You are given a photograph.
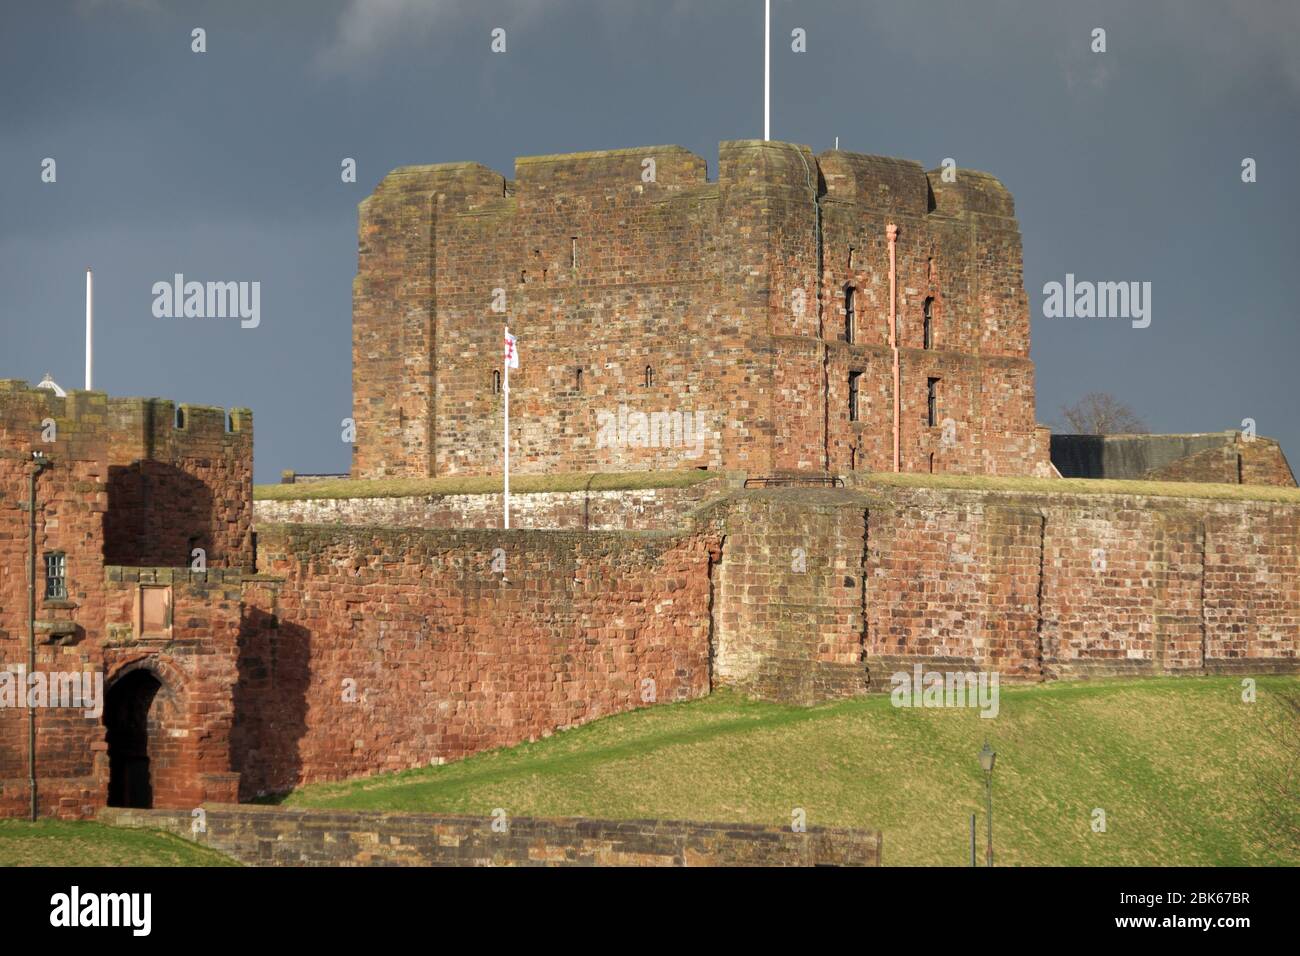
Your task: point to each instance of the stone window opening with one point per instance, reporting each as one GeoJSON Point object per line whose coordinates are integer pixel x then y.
{"type": "Point", "coordinates": [577, 380]}
{"type": "Point", "coordinates": [649, 377]}
{"type": "Point", "coordinates": [932, 401]}
{"type": "Point", "coordinates": [573, 252]}
{"type": "Point", "coordinates": [496, 381]}
{"type": "Point", "coordinates": [180, 418]}
{"type": "Point", "coordinates": [850, 318]}
{"type": "Point", "coordinates": [855, 396]}
{"type": "Point", "coordinates": [56, 576]}
{"type": "Point", "coordinates": [928, 324]}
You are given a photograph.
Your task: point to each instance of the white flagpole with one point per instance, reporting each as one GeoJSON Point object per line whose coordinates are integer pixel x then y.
{"type": "Point", "coordinates": [506, 429]}
{"type": "Point", "coordinates": [767, 69]}
{"type": "Point", "coordinates": [90, 329]}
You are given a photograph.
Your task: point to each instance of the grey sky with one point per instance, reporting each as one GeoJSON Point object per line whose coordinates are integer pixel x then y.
{"type": "Point", "coordinates": [225, 166]}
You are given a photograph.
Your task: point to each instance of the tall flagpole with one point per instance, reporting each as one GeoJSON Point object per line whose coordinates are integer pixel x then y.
{"type": "Point", "coordinates": [90, 329]}
{"type": "Point", "coordinates": [506, 424]}
{"type": "Point", "coordinates": [767, 69]}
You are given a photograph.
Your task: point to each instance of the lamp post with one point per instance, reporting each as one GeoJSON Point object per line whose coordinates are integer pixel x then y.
{"type": "Point", "coordinates": [987, 756]}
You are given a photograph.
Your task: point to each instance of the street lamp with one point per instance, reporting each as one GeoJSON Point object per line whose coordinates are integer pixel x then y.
{"type": "Point", "coordinates": [987, 756]}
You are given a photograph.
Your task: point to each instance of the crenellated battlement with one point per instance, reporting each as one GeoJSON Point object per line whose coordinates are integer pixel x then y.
{"type": "Point", "coordinates": [634, 281]}
{"type": "Point", "coordinates": [885, 183]}
{"type": "Point", "coordinates": [174, 477]}
{"type": "Point", "coordinates": [93, 425]}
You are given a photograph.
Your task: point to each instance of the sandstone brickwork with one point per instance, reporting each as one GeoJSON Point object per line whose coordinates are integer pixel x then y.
{"type": "Point", "coordinates": [340, 651]}
{"type": "Point", "coordinates": [384, 650]}
{"type": "Point", "coordinates": [822, 594]}
{"type": "Point", "coordinates": [272, 836]}
{"type": "Point", "coordinates": [648, 509]}
{"type": "Point", "coordinates": [125, 486]}
{"type": "Point", "coordinates": [668, 320]}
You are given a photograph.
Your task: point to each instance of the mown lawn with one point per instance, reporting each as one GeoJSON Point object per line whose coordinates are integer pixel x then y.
{"type": "Point", "coordinates": [69, 843]}
{"type": "Point", "coordinates": [1185, 771]}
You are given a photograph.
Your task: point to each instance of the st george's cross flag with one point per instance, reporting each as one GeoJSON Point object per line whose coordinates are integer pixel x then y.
{"type": "Point", "coordinates": [511, 352]}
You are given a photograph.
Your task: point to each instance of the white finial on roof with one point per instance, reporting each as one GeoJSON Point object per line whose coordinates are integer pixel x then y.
{"type": "Point", "coordinates": [53, 386]}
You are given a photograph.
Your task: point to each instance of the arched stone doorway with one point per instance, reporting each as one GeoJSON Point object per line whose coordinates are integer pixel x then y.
{"type": "Point", "coordinates": [128, 713]}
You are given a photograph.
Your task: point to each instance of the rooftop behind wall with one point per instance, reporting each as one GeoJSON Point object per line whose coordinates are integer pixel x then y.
{"type": "Point", "coordinates": [1192, 457]}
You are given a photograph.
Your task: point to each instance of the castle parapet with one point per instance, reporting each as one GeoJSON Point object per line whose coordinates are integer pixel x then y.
{"type": "Point", "coordinates": [641, 169]}
{"type": "Point", "coordinates": [876, 182]}
{"type": "Point", "coordinates": [973, 192]}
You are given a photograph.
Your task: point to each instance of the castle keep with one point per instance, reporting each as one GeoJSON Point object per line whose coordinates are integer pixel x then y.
{"type": "Point", "coordinates": [758, 309]}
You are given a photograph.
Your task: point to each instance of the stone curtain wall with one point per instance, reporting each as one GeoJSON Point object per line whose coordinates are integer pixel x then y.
{"type": "Point", "coordinates": [271, 836]}
{"type": "Point", "coordinates": [1034, 586]}
{"type": "Point", "coordinates": [791, 594]}
{"type": "Point", "coordinates": [788, 611]}
{"type": "Point", "coordinates": [712, 285]}
{"type": "Point", "coordinates": [649, 509]}
{"type": "Point", "coordinates": [1115, 584]}
{"type": "Point", "coordinates": [384, 650]}
{"type": "Point", "coordinates": [952, 582]}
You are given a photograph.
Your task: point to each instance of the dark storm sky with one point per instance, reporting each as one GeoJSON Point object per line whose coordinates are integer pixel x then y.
{"type": "Point", "coordinates": [1125, 166]}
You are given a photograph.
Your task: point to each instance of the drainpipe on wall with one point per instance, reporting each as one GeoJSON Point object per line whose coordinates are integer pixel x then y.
{"type": "Point", "coordinates": [891, 231]}
{"type": "Point", "coordinates": [39, 464]}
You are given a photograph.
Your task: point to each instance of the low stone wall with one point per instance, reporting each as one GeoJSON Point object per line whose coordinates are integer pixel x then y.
{"type": "Point", "coordinates": [639, 509]}
{"type": "Point", "coordinates": [275, 836]}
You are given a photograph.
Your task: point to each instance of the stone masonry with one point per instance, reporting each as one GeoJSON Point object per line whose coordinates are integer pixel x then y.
{"type": "Point", "coordinates": [666, 320]}
{"type": "Point", "coordinates": [130, 492]}
{"type": "Point", "coordinates": [274, 836]}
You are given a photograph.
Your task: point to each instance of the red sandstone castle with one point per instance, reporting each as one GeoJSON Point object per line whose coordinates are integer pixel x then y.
{"type": "Point", "coordinates": [817, 313]}
{"type": "Point", "coordinates": [831, 314]}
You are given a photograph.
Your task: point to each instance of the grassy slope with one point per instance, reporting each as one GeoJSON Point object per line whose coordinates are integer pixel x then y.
{"type": "Point", "coordinates": [1090, 486]}
{"type": "Point", "coordinates": [1181, 766]}
{"type": "Point", "coordinates": [622, 481]}
{"type": "Point", "coordinates": [519, 484]}
{"type": "Point", "coordinates": [66, 843]}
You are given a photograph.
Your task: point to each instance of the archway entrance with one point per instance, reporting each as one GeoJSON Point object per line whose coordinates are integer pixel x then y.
{"type": "Point", "coordinates": [126, 715]}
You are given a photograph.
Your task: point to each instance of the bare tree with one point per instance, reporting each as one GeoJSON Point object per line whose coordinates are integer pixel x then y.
{"type": "Point", "coordinates": [1100, 413]}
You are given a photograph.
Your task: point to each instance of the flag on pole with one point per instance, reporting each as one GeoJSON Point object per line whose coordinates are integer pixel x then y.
{"type": "Point", "coordinates": [510, 358]}
{"type": "Point", "coordinates": [511, 352]}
